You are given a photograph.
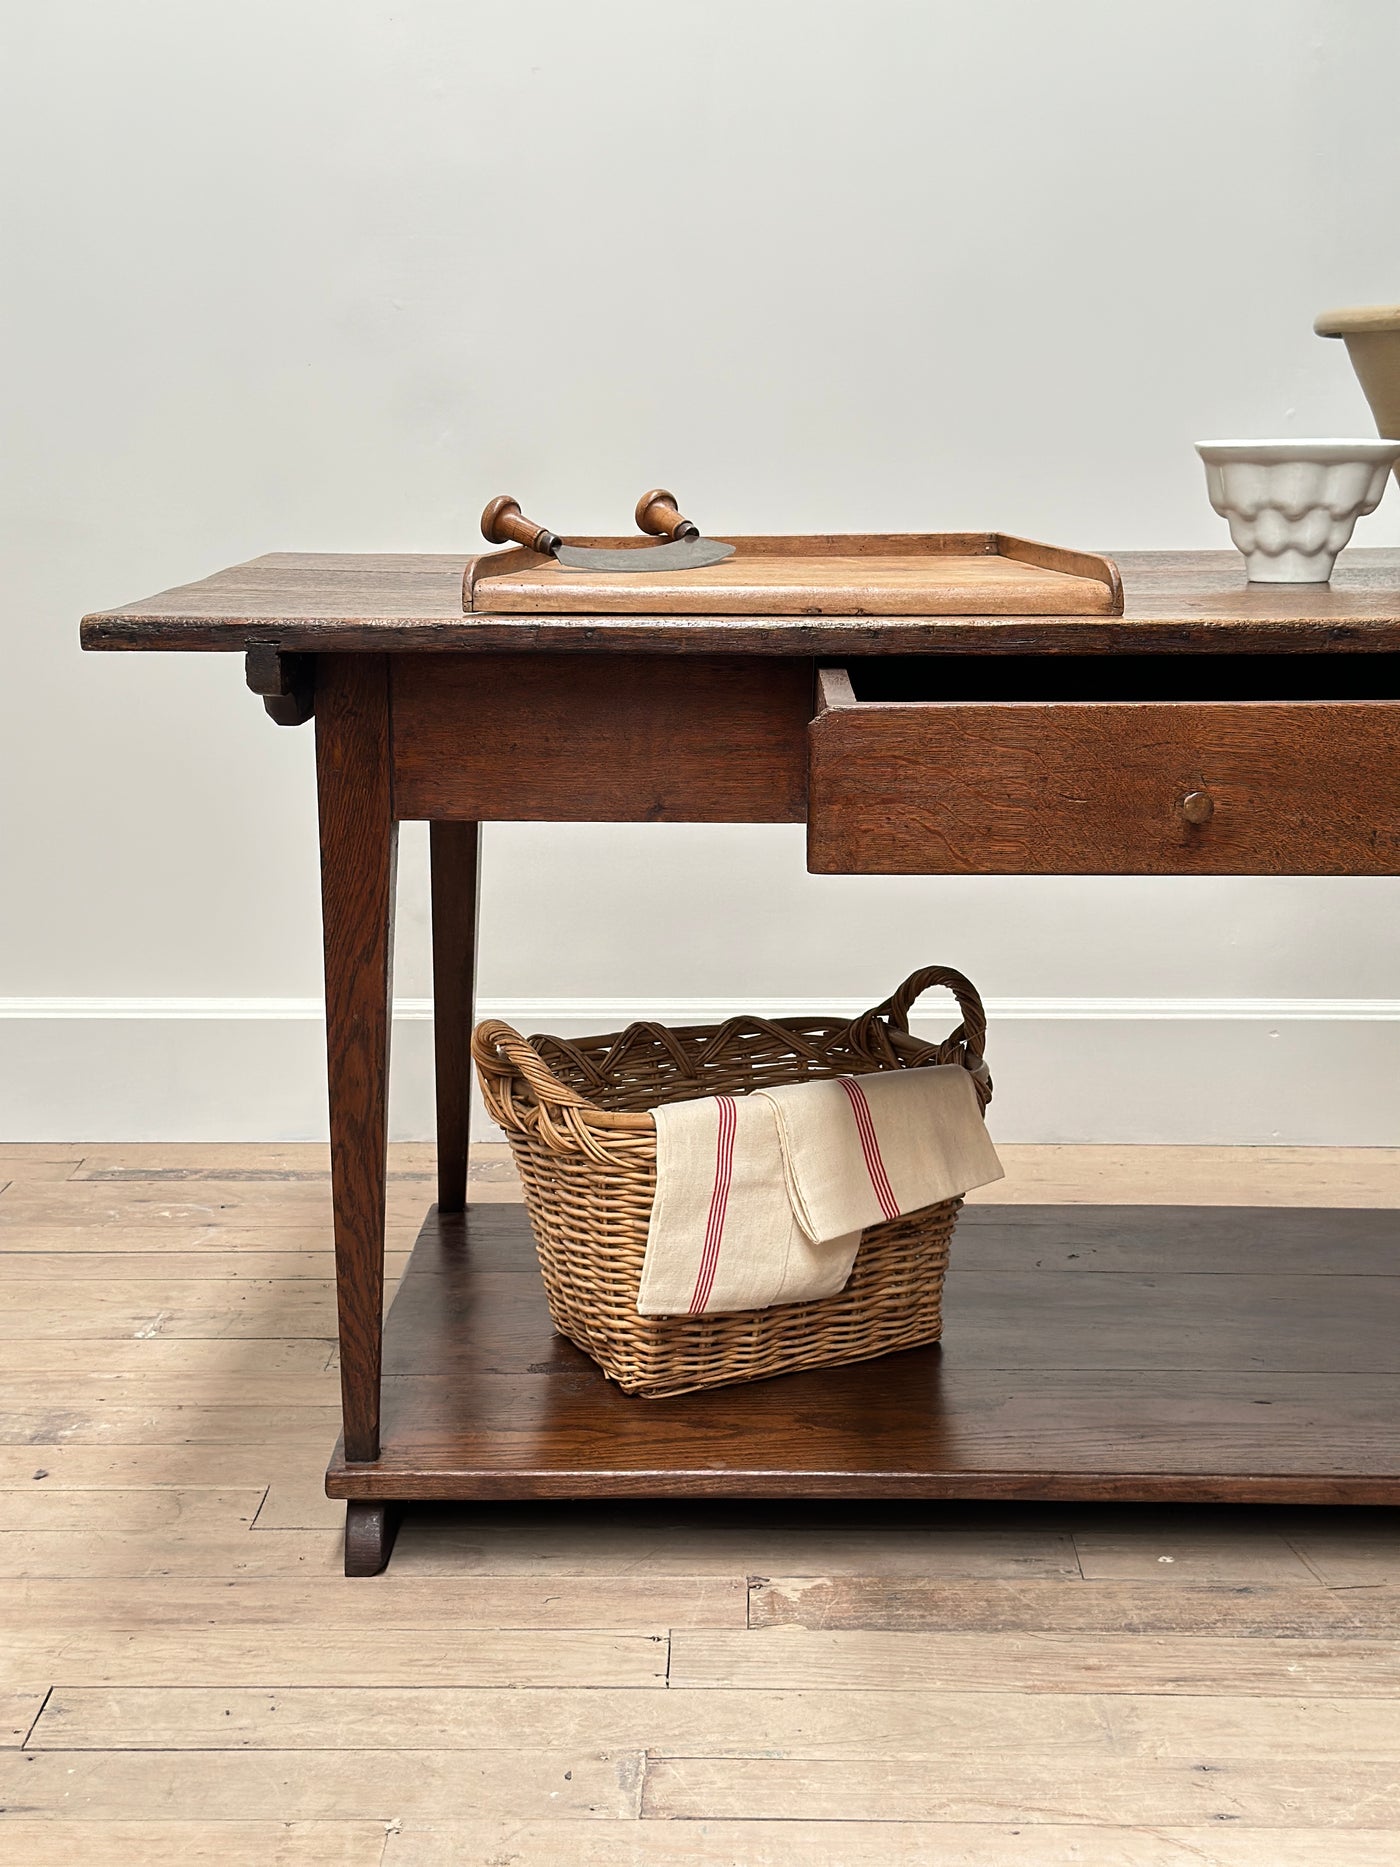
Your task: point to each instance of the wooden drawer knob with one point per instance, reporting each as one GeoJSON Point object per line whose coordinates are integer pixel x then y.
{"type": "Point", "coordinates": [1198, 807]}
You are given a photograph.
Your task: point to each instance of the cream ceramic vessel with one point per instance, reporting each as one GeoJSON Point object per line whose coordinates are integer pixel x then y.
{"type": "Point", "coordinates": [1292, 505]}
{"type": "Point", "coordinates": [1372, 337]}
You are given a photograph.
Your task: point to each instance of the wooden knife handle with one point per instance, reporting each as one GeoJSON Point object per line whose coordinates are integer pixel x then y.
{"type": "Point", "coordinates": [658, 514]}
{"type": "Point", "coordinates": [504, 523]}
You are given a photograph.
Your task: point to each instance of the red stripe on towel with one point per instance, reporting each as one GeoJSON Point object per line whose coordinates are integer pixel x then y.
{"type": "Point", "coordinates": [870, 1147]}
{"type": "Point", "coordinates": [719, 1201]}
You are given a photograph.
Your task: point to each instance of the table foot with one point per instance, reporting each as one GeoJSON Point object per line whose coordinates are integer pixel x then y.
{"type": "Point", "coordinates": [370, 1529]}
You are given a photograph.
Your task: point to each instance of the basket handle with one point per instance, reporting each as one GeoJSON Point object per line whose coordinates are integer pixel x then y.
{"type": "Point", "coordinates": [559, 1116]}
{"type": "Point", "coordinates": [499, 1052]}
{"type": "Point", "coordinates": [969, 1039]}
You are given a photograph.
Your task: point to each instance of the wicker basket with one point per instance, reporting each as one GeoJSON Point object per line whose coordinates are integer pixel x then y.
{"type": "Point", "coordinates": [586, 1150]}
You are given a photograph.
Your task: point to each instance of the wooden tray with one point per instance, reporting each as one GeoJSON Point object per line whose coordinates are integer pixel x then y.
{"type": "Point", "coordinates": [856, 574]}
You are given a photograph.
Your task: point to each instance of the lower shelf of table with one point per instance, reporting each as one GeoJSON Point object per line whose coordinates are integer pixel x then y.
{"type": "Point", "coordinates": [1133, 1352]}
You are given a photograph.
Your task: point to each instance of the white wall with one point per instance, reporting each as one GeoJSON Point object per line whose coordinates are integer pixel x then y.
{"type": "Point", "coordinates": [325, 274]}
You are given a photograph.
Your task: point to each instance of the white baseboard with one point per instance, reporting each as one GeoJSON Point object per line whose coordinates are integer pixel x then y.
{"type": "Point", "coordinates": [1292, 1071]}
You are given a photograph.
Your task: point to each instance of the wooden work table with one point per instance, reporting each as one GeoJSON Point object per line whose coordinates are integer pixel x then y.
{"type": "Point", "coordinates": [1214, 727]}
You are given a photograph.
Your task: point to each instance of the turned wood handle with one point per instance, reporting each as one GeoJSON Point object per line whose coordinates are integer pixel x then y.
{"type": "Point", "coordinates": [658, 514]}
{"type": "Point", "coordinates": [504, 523]}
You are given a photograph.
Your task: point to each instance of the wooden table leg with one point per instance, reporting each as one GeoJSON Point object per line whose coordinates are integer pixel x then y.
{"type": "Point", "coordinates": [359, 842]}
{"type": "Point", "coordinates": [455, 851]}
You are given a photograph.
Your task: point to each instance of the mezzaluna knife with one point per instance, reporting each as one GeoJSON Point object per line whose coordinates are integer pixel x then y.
{"type": "Point", "coordinates": [657, 514]}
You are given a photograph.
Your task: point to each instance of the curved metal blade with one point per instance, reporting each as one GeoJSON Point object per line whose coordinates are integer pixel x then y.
{"type": "Point", "coordinates": [682, 554]}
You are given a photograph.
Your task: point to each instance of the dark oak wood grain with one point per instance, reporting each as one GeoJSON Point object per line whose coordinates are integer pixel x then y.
{"type": "Point", "coordinates": [1321, 1242]}
{"type": "Point", "coordinates": [1149, 1385]}
{"type": "Point", "coordinates": [455, 854]}
{"type": "Point", "coordinates": [359, 845]}
{"type": "Point", "coordinates": [600, 739]}
{"type": "Point", "coordinates": [1295, 787]}
{"type": "Point", "coordinates": [1194, 602]}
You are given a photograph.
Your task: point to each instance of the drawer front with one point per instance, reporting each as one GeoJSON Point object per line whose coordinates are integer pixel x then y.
{"type": "Point", "coordinates": [1018, 788]}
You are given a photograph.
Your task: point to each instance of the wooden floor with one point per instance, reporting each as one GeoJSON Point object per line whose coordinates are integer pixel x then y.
{"type": "Point", "coordinates": [186, 1677]}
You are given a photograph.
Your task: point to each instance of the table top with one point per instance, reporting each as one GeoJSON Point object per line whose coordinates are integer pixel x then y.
{"type": "Point", "coordinates": [1174, 601]}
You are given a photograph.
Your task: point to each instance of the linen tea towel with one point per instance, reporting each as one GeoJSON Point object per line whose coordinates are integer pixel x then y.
{"type": "Point", "coordinates": [723, 1235]}
{"type": "Point", "coordinates": [859, 1149]}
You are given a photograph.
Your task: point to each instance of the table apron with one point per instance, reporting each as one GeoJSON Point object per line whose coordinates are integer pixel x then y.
{"type": "Point", "coordinates": [599, 739]}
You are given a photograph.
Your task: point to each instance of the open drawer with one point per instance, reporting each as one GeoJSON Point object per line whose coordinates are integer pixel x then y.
{"type": "Point", "coordinates": [1107, 765]}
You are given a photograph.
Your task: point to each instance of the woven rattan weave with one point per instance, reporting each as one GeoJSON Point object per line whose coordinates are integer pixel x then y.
{"type": "Point", "coordinates": [574, 1114]}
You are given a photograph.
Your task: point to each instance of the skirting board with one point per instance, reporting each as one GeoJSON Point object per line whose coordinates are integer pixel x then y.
{"type": "Point", "coordinates": [1152, 1071]}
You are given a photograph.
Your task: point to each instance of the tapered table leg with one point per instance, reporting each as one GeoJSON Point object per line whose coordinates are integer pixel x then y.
{"type": "Point", "coordinates": [455, 849]}
{"type": "Point", "coordinates": [359, 841]}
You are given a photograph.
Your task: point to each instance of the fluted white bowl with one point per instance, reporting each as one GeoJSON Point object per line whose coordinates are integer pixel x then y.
{"type": "Point", "coordinates": [1291, 505]}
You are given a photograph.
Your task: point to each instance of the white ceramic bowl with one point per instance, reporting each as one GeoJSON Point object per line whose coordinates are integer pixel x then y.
{"type": "Point", "coordinates": [1292, 504]}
